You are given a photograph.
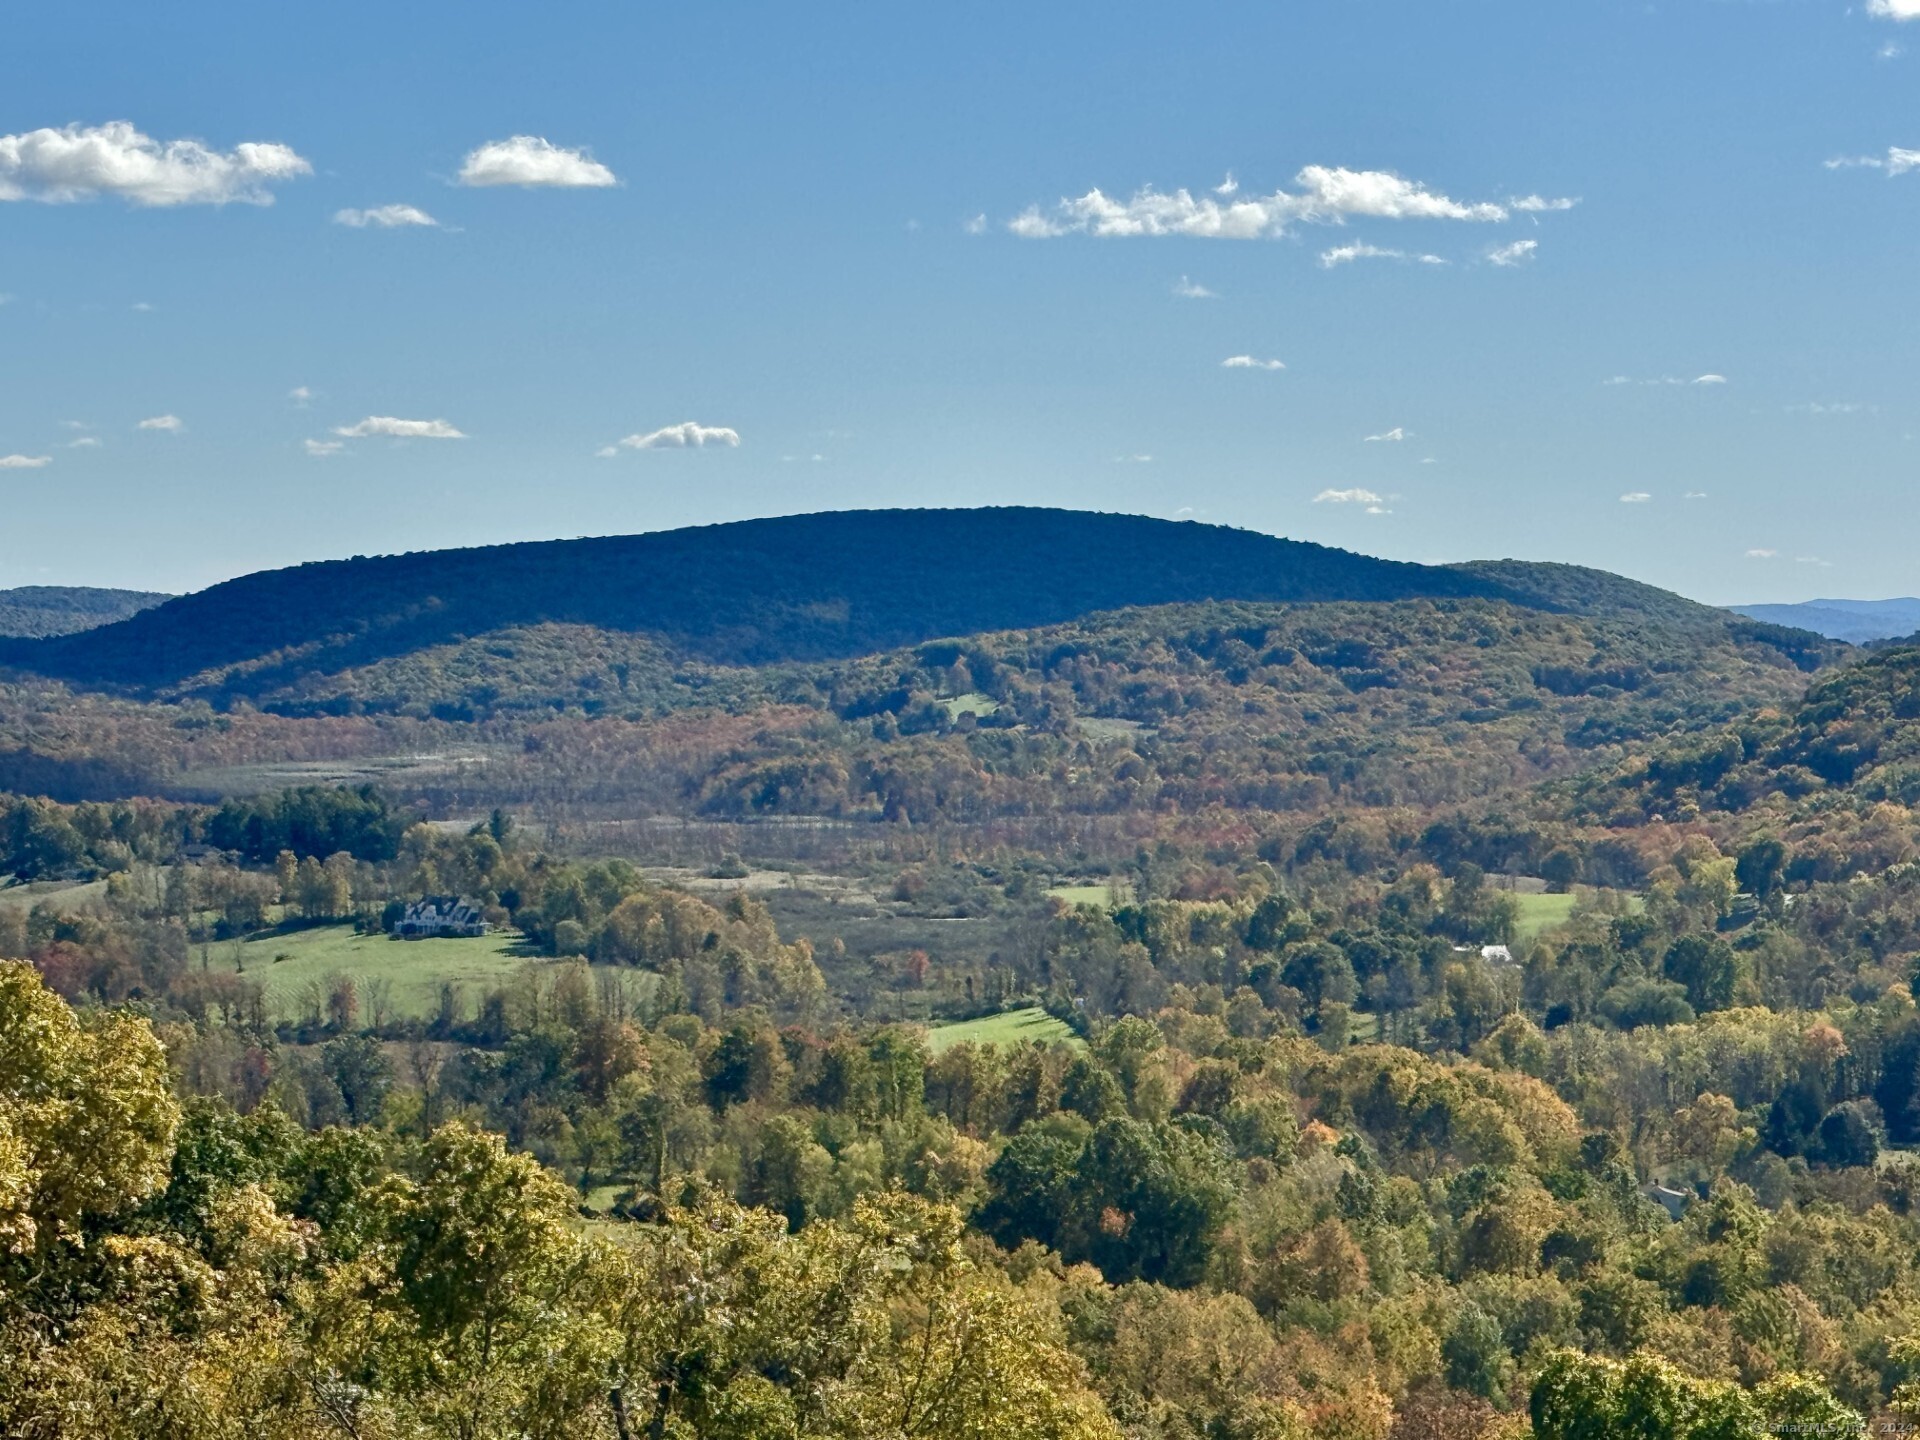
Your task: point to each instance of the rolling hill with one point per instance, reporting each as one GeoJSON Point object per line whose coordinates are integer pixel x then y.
{"type": "Point", "coordinates": [1855, 621]}
{"type": "Point", "coordinates": [34, 611]}
{"type": "Point", "coordinates": [800, 588]}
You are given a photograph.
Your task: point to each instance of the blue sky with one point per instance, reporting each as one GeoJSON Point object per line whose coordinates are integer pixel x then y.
{"type": "Point", "coordinates": [857, 251]}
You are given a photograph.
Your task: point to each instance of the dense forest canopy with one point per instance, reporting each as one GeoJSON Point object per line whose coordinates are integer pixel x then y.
{"type": "Point", "coordinates": [804, 587]}
{"type": "Point", "coordinates": [39, 610]}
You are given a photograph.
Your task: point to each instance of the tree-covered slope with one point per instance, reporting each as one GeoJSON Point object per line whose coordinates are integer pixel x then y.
{"type": "Point", "coordinates": [39, 610]}
{"type": "Point", "coordinates": [805, 587]}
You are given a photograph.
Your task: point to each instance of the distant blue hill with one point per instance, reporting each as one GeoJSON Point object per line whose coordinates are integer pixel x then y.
{"type": "Point", "coordinates": [1855, 621]}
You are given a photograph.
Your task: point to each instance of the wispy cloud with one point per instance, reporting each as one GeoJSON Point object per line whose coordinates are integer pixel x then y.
{"type": "Point", "coordinates": [1248, 362]}
{"type": "Point", "coordinates": [1391, 437]}
{"type": "Point", "coordinates": [300, 395]}
{"type": "Point", "coordinates": [1694, 495]}
{"type": "Point", "coordinates": [1192, 290]}
{"type": "Point", "coordinates": [1673, 380]}
{"type": "Point", "coordinates": [1327, 195]}
{"type": "Point", "coordinates": [1895, 162]}
{"type": "Point", "coordinates": [320, 449]}
{"type": "Point", "coordinates": [1541, 204]}
{"type": "Point", "coordinates": [976, 226]}
{"type": "Point", "coordinates": [24, 462]}
{"type": "Point", "coordinates": [1832, 407]}
{"type": "Point", "coordinates": [1812, 560]}
{"type": "Point", "coordinates": [396, 429]}
{"type": "Point", "coordinates": [1228, 186]}
{"type": "Point", "coordinates": [84, 162]}
{"type": "Point", "coordinates": [530, 160]}
{"type": "Point", "coordinates": [1894, 9]}
{"type": "Point", "coordinates": [1360, 250]}
{"type": "Point", "coordinates": [1761, 553]}
{"type": "Point", "coordinates": [172, 424]}
{"type": "Point", "coordinates": [687, 435]}
{"type": "Point", "coordinates": [85, 442]}
{"type": "Point", "coordinates": [1635, 497]}
{"type": "Point", "coordinates": [1133, 459]}
{"type": "Point", "coordinates": [1347, 497]}
{"type": "Point", "coordinates": [385, 217]}
{"type": "Point", "coordinates": [1518, 253]}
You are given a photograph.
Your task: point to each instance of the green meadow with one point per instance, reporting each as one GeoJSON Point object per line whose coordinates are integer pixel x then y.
{"type": "Point", "coordinates": [1010, 1027]}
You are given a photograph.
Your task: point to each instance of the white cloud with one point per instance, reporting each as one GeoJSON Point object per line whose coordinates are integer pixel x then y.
{"type": "Point", "coordinates": [1761, 554]}
{"type": "Point", "coordinates": [1891, 50]}
{"type": "Point", "coordinates": [1832, 407]}
{"type": "Point", "coordinates": [1673, 380]}
{"type": "Point", "coordinates": [976, 226]}
{"type": "Point", "coordinates": [1392, 437]}
{"type": "Point", "coordinates": [1518, 253]}
{"type": "Point", "coordinates": [300, 395]}
{"type": "Point", "coordinates": [1694, 495]}
{"type": "Point", "coordinates": [1360, 250]}
{"type": "Point", "coordinates": [1327, 195]}
{"type": "Point", "coordinates": [1812, 560]}
{"type": "Point", "coordinates": [1539, 204]}
{"type": "Point", "coordinates": [142, 307]}
{"type": "Point", "coordinates": [1133, 459]}
{"type": "Point", "coordinates": [686, 435]}
{"type": "Point", "coordinates": [385, 217]}
{"type": "Point", "coordinates": [24, 462]}
{"type": "Point", "coordinates": [1228, 186]}
{"type": "Point", "coordinates": [1378, 510]}
{"type": "Point", "coordinates": [320, 449]}
{"type": "Point", "coordinates": [399, 429]}
{"type": "Point", "coordinates": [1346, 497]}
{"type": "Point", "coordinates": [1191, 290]}
{"type": "Point", "coordinates": [1894, 9]}
{"type": "Point", "coordinates": [1895, 162]}
{"type": "Point", "coordinates": [170, 423]}
{"type": "Point", "coordinates": [85, 442]}
{"type": "Point", "coordinates": [1247, 362]}
{"type": "Point", "coordinates": [530, 160]}
{"type": "Point", "coordinates": [83, 162]}
{"type": "Point", "coordinates": [1635, 497]}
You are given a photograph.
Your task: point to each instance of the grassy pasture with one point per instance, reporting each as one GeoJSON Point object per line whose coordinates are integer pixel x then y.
{"type": "Point", "coordinates": [972, 703]}
{"type": "Point", "coordinates": [1011, 1027]}
{"type": "Point", "coordinates": [1099, 896]}
{"type": "Point", "coordinates": [416, 969]}
{"type": "Point", "coordinates": [1540, 913]}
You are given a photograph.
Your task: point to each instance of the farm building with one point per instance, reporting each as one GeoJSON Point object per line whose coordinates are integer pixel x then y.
{"type": "Point", "coordinates": [440, 915]}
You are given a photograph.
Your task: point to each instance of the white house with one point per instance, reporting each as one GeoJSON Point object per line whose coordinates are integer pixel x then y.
{"type": "Point", "coordinates": [440, 915]}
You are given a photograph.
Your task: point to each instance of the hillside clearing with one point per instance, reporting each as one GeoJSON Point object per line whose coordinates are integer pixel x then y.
{"type": "Point", "coordinates": [1010, 1027]}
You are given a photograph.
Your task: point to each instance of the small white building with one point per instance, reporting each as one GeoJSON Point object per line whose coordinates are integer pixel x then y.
{"type": "Point", "coordinates": [440, 915]}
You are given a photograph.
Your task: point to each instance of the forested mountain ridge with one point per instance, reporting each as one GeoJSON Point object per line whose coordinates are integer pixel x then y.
{"type": "Point", "coordinates": [1855, 621]}
{"type": "Point", "coordinates": [39, 610]}
{"type": "Point", "coordinates": [798, 588]}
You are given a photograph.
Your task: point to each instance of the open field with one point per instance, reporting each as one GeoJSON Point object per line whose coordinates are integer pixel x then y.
{"type": "Point", "coordinates": [1011, 1027]}
{"type": "Point", "coordinates": [70, 893]}
{"type": "Point", "coordinates": [1542, 912]}
{"type": "Point", "coordinates": [416, 969]}
{"type": "Point", "coordinates": [1118, 892]}
{"type": "Point", "coordinates": [972, 703]}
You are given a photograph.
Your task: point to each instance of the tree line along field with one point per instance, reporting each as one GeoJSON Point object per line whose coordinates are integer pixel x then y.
{"type": "Point", "coordinates": [298, 968]}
